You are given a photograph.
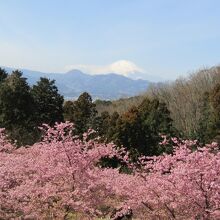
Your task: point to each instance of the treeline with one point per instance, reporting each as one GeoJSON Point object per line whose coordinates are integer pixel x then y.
{"type": "Point", "coordinates": [139, 129]}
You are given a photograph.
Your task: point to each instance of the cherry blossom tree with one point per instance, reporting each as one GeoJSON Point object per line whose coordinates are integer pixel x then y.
{"type": "Point", "coordinates": [61, 175]}
{"type": "Point", "coordinates": [53, 177]}
{"type": "Point", "coordinates": [184, 185]}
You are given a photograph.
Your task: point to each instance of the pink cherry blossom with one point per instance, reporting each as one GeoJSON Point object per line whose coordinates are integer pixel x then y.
{"type": "Point", "coordinates": [61, 174]}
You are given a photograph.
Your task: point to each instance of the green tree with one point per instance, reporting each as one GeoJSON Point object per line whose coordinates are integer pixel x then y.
{"type": "Point", "coordinates": [129, 131]}
{"type": "Point", "coordinates": [207, 128]}
{"type": "Point", "coordinates": [16, 108]}
{"type": "Point", "coordinates": [156, 121]}
{"type": "Point", "coordinates": [68, 111]}
{"type": "Point", "coordinates": [48, 102]}
{"type": "Point", "coordinates": [112, 125]}
{"type": "Point", "coordinates": [3, 75]}
{"type": "Point", "coordinates": [101, 124]}
{"type": "Point", "coordinates": [156, 116]}
{"type": "Point", "coordinates": [215, 101]}
{"type": "Point", "coordinates": [83, 113]}
{"type": "Point", "coordinates": [214, 129]}
{"type": "Point", "coordinates": [140, 128]}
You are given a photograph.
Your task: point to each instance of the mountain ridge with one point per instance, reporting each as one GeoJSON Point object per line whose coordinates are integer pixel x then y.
{"type": "Point", "coordinates": [74, 82]}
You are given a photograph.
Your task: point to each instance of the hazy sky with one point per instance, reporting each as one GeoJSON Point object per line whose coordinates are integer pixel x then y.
{"type": "Point", "coordinates": [161, 37]}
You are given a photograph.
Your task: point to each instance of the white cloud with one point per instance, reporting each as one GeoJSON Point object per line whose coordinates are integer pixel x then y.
{"type": "Point", "coordinates": [123, 67]}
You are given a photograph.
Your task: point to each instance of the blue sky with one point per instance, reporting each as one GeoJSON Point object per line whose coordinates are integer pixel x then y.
{"type": "Point", "coordinates": [165, 38]}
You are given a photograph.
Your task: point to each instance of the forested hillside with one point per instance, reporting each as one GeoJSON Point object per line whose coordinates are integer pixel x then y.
{"type": "Point", "coordinates": [192, 102]}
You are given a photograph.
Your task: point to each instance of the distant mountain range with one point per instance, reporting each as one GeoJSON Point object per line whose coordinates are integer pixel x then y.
{"type": "Point", "coordinates": [73, 83]}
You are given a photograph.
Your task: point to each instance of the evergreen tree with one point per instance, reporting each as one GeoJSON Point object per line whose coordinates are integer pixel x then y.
{"type": "Point", "coordinates": [111, 133]}
{"type": "Point", "coordinates": [84, 113]}
{"type": "Point", "coordinates": [140, 128]}
{"type": "Point", "coordinates": [16, 107]}
{"type": "Point", "coordinates": [3, 75]}
{"type": "Point", "coordinates": [214, 132]}
{"type": "Point", "coordinates": [129, 131]}
{"type": "Point", "coordinates": [215, 101]}
{"type": "Point", "coordinates": [207, 129]}
{"type": "Point", "coordinates": [101, 124]}
{"type": "Point", "coordinates": [156, 116]}
{"type": "Point", "coordinates": [156, 121]}
{"type": "Point", "coordinates": [68, 111]}
{"type": "Point", "coordinates": [48, 102]}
